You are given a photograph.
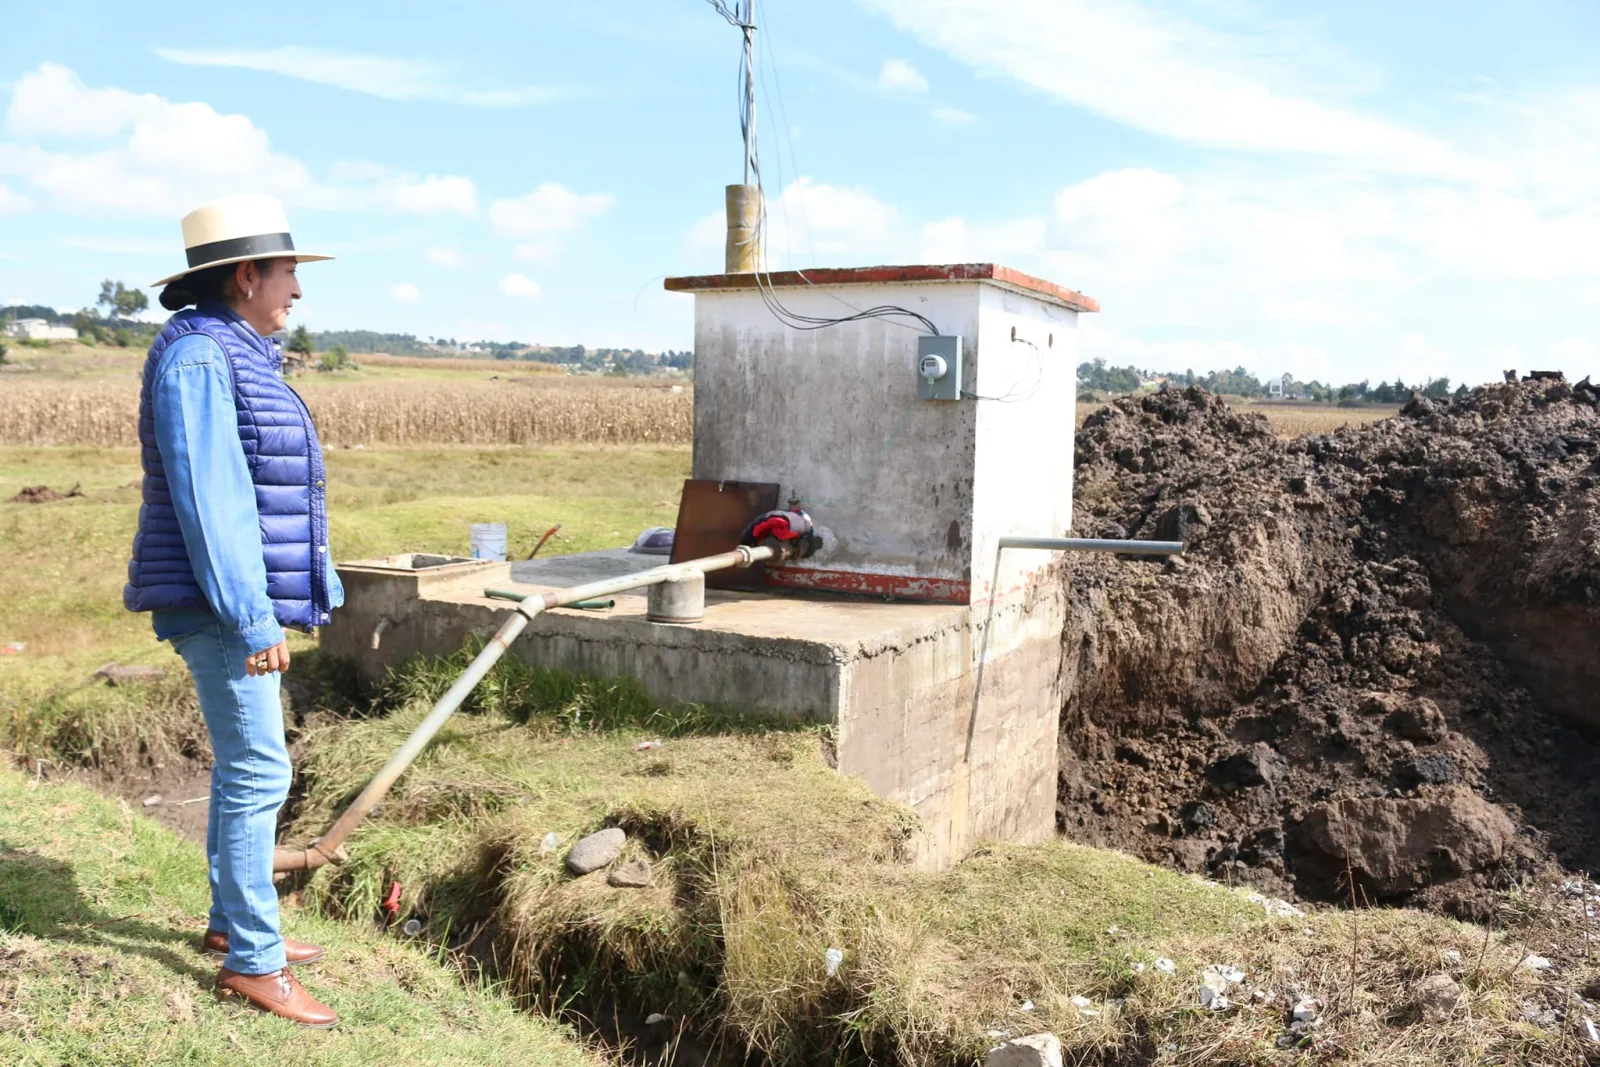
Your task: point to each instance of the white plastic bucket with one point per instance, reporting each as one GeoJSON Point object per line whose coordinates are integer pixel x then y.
{"type": "Point", "coordinates": [489, 541]}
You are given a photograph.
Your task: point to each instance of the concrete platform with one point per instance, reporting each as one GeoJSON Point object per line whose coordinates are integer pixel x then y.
{"type": "Point", "coordinates": [899, 681]}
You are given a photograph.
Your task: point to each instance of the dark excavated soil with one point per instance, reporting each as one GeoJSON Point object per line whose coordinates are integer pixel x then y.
{"type": "Point", "coordinates": [1377, 662]}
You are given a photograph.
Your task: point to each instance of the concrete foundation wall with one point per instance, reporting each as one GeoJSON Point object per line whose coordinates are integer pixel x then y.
{"type": "Point", "coordinates": [896, 679]}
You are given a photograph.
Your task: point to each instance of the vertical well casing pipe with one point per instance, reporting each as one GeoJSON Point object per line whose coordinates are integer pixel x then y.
{"type": "Point", "coordinates": [326, 848]}
{"type": "Point", "coordinates": [743, 252]}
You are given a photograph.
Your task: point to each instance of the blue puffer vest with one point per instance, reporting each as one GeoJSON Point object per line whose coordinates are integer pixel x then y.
{"type": "Point", "coordinates": [285, 458]}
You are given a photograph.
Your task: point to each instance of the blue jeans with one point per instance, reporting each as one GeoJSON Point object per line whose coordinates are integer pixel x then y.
{"type": "Point", "coordinates": [249, 782]}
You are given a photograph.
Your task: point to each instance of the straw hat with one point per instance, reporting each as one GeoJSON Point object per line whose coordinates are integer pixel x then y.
{"type": "Point", "coordinates": [232, 229]}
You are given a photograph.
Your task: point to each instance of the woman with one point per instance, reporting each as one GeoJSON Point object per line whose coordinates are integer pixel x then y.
{"type": "Point", "coordinates": [232, 548]}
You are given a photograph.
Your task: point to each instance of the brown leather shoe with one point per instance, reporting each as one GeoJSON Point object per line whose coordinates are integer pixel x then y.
{"type": "Point", "coordinates": [296, 953]}
{"type": "Point", "coordinates": [278, 992]}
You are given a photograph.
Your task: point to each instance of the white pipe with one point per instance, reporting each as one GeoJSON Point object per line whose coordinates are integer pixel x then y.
{"type": "Point", "coordinates": [1095, 544]}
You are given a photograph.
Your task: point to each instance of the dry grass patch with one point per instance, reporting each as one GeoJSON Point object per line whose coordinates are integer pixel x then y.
{"type": "Point", "coordinates": [765, 859]}
{"type": "Point", "coordinates": [101, 911]}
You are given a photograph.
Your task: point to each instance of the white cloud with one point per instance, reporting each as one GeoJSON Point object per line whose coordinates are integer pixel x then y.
{"type": "Point", "coordinates": [1165, 75]}
{"type": "Point", "coordinates": [112, 150]}
{"type": "Point", "coordinates": [405, 292]}
{"type": "Point", "coordinates": [433, 195]}
{"type": "Point", "coordinates": [552, 208]}
{"type": "Point", "coordinates": [955, 240]}
{"type": "Point", "coordinates": [520, 286]}
{"type": "Point", "coordinates": [12, 203]}
{"type": "Point", "coordinates": [1126, 214]}
{"type": "Point", "coordinates": [166, 157]}
{"type": "Point", "coordinates": [953, 116]}
{"type": "Point", "coordinates": [447, 256]}
{"type": "Point", "coordinates": [380, 76]}
{"type": "Point", "coordinates": [899, 76]}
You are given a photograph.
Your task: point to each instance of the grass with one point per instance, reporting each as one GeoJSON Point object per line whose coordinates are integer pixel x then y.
{"type": "Point", "coordinates": [764, 859]}
{"type": "Point", "coordinates": [101, 911]}
{"type": "Point", "coordinates": [66, 562]}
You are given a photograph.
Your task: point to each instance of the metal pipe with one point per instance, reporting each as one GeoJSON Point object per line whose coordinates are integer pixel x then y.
{"type": "Point", "coordinates": [1095, 544]}
{"type": "Point", "coordinates": [512, 594]}
{"type": "Point", "coordinates": [328, 848]}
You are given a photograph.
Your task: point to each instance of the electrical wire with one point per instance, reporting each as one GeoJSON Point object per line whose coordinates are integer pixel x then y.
{"type": "Point", "coordinates": [1012, 395]}
{"type": "Point", "coordinates": [766, 288]}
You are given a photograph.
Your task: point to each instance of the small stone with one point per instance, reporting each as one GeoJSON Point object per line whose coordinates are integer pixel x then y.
{"type": "Point", "coordinates": [1305, 1010]}
{"type": "Point", "coordinates": [1138, 968]}
{"type": "Point", "coordinates": [1537, 963]}
{"type": "Point", "coordinates": [1419, 720]}
{"type": "Point", "coordinates": [1027, 1005]}
{"type": "Point", "coordinates": [1197, 815]}
{"type": "Point", "coordinates": [596, 851]}
{"type": "Point", "coordinates": [832, 960]}
{"type": "Point", "coordinates": [152, 800]}
{"type": "Point", "coordinates": [1081, 1002]}
{"type": "Point", "coordinates": [1451, 958]}
{"type": "Point", "coordinates": [1166, 966]}
{"type": "Point", "coordinates": [635, 875]}
{"type": "Point", "coordinates": [1213, 998]}
{"type": "Point", "coordinates": [1437, 998]}
{"type": "Point", "coordinates": [653, 1018]}
{"type": "Point", "coordinates": [1591, 1032]}
{"type": "Point", "coordinates": [550, 842]}
{"type": "Point", "coordinates": [1035, 1050]}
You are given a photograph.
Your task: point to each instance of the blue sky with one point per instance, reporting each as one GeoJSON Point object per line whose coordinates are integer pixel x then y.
{"type": "Point", "coordinates": [1352, 190]}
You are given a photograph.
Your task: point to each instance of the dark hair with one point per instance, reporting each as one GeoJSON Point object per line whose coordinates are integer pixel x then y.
{"type": "Point", "coordinates": [209, 283]}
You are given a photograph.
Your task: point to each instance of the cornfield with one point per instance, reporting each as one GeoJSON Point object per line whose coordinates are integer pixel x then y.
{"type": "Point", "coordinates": [528, 411]}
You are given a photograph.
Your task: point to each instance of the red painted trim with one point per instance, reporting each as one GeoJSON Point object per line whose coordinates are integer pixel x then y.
{"type": "Point", "coordinates": [899, 586]}
{"type": "Point", "coordinates": [947, 272]}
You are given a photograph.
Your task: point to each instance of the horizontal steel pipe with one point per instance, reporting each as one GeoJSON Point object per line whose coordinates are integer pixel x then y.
{"type": "Point", "coordinates": [1095, 544]}
{"type": "Point", "coordinates": [329, 847]}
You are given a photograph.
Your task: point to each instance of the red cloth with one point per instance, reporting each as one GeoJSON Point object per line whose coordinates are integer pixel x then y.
{"type": "Point", "coordinates": [776, 526]}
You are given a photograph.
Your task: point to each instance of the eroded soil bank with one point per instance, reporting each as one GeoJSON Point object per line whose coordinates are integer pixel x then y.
{"type": "Point", "coordinates": [1376, 663]}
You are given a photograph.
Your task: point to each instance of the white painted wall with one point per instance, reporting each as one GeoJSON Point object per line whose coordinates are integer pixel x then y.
{"type": "Point", "coordinates": [908, 486]}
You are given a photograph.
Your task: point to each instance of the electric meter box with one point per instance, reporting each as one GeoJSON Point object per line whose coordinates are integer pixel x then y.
{"type": "Point", "coordinates": [939, 367]}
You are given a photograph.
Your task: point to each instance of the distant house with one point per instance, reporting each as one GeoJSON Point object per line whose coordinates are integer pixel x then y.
{"type": "Point", "coordinates": [1281, 388]}
{"type": "Point", "coordinates": [39, 330]}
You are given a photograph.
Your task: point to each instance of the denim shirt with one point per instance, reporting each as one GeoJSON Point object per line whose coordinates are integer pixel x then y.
{"type": "Point", "coordinates": [197, 432]}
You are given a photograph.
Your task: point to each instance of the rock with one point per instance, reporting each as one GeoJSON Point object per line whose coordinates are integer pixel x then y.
{"type": "Point", "coordinates": [1398, 845]}
{"type": "Point", "coordinates": [1306, 1010]}
{"type": "Point", "coordinates": [1081, 1002]}
{"type": "Point", "coordinates": [1418, 720]}
{"type": "Point", "coordinates": [1248, 768]}
{"type": "Point", "coordinates": [116, 674]}
{"type": "Point", "coordinates": [1176, 523]}
{"type": "Point", "coordinates": [596, 851]}
{"type": "Point", "coordinates": [1437, 997]}
{"type": "Point", "coordinates": [653, 1018]}
{"type": "Point", "coordinates": [152, 800]}
{"type": "Point", "coordinates": [1035, 1050]}
{"type": "Point", "coordinates": [1166, 966]}
{"type": "Point", "coordinates": [1429, 770]}
{"type": "Point", "coordinates": [635, 875]}
{"type": "Point", "coordinates": [1213, 998]}
{"type": "Point", "coordinates": [1537, 963]}
{"type": "Point", "coordinates": [1197, 815]}
{"type": "Point", "coordinates": [1591, 1032]}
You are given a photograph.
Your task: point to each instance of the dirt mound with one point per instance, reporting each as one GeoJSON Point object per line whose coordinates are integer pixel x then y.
{"type": "Point", "coordinates": [43, 494]}
{"type": "Point", "coordinates": [1372, 665]}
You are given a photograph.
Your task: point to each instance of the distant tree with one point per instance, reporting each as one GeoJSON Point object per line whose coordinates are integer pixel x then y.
{"type": "Point", "coordinates": [300, 342]}
{"type": "Point", "coordinates": [2, 353]}
{"type": "Point", "coordinates": [120, 301]}
{"type": "Point", "coordinates": [336, 358]}
{"type": "Point", "coordinates": [1462, 391]}
{"type": "Point", "coordinates": [83, 322]}
{"type": "Point", "coordinates": [1438, 389]}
